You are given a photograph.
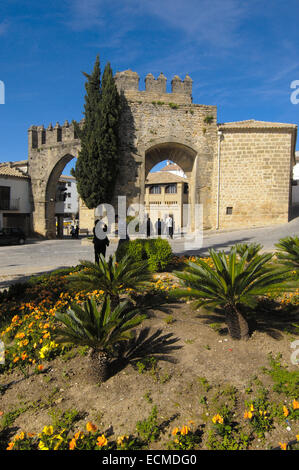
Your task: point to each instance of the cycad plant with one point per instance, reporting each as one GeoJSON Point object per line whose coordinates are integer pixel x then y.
{"type": "Point", "coordinates": [98, 326]}
{"type": "Point", "coordinates": [112, 276]}
{"type": "Point", "coordinates": [251, 248]}
{"type": "Point", "coordinates": [232, 283]}
{"type": "Point", "coordinates": [288, 252]}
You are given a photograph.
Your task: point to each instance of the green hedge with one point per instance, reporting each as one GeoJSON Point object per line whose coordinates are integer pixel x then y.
{"type": "Point", "coordinates": [156, 250]}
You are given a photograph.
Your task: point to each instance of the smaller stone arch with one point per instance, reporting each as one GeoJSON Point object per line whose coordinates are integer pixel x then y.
{"type": "Point", "coordinates": [51, 192]}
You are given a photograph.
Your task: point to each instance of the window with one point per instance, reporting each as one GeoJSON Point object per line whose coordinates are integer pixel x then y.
{"type": "Point", "coordinates": [186, 188]}
{"type": "Point", "coordinates": [155, 189]}
{"type": "Point", "coordinates": [4, 197]}
{"type": "Point", "coordinates": [171, 188]}
{"type": "Point", "coordinates": [229, 210]}
{"type": "Point", "coordinates": [68, 194]}
{"type": "Point", "coordinates": [69, 206]}
{"type": "Point", "coordinates": [69, 183]}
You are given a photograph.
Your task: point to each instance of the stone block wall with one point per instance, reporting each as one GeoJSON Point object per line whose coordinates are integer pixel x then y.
{"type": "Point", "coordinates": [255, 176]}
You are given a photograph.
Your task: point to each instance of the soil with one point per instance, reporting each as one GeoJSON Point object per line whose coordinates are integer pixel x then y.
{"type": "Point", "coordinates": [188, 349]}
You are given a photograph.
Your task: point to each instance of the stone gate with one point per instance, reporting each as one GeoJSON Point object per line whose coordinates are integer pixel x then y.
{"type": "Point", "coordinates": [240, 172]}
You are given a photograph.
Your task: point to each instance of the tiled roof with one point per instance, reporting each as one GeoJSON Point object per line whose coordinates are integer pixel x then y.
{"type": "Point", "coordinates": [7, 169]}
{"type": "Point", "coordinates": [171, 167]}
{"type": "Point", "coordinates": [159, 177]}
{"type": "Point", "coordinates": [252, 123]}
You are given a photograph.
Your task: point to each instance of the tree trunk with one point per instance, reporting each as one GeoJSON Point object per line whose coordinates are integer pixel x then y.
{"type": "Point", "coordinates": [237, 325]}
{"type": "Point", "coordinates": [98, 366]}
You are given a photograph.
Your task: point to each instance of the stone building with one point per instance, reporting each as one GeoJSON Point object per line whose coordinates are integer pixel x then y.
{"type": "Point", "coordinates": [240, 172]}
{"type": "Point", "coordinates": [165, 194]}
{"type": "Point", "coordinates": [15, 189]}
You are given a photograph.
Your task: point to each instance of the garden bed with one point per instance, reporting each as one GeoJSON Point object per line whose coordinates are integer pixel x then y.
{"type": "Point", "coordinates": [188, 371]}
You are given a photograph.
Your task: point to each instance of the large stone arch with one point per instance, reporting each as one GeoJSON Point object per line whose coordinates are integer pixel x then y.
{"type": "Point", "coordinates": [154, 125]}
{"type": "Point", "coordinates": [181, 153]}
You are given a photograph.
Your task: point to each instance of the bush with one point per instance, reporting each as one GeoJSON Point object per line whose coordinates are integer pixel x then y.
{"type": "Point", "coordinates": [134, 248]}
{"type": "Point", "coordinates": [159, 253]}
{"type": "Point", "coordinates": [156, 250]}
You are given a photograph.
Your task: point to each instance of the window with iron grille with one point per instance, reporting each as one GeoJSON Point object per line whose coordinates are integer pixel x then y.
{"type": "Point", "coordinates": [155, 189]}
{"type": "Point", "coordinates": [171, 188]}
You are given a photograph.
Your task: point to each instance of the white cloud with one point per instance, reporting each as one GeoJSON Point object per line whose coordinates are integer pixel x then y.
{"type": "Point", "coordinates": [216, 22]}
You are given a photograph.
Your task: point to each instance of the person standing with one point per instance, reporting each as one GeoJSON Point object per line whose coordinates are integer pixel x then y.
{"type": "Point", "coordinates": [169, 225]}
{"type": "Point", "coordinates": [148, 227]}
{"type": "Point", "coordinates": [100, 244]}
{"type": "Point", "coordinates": [158, 227]}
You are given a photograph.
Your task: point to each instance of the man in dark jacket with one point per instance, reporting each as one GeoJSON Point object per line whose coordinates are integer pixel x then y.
{"type": "Point", "coordinates": [99, 244]}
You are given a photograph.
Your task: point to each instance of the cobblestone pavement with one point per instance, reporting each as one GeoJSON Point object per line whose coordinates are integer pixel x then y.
{"type": "Point", "coordinates": [17, 263]}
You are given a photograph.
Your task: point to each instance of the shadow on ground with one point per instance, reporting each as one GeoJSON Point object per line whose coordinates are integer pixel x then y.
{"type": "Point", "coordinates": [22, 278]}
{"type": "Point", "coordinates": [204, 251]}
{"type": "Point", "coordinates": [268, 317]}
{"type": "Point", "coordinates": [143, 345]}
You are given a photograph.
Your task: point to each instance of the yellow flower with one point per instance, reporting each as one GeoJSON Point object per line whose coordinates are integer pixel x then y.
{"type": "Point", "coordinates": [41, 446]}
{"type": "Point", "coordinates": [102, 441]}
{"type": "Point", "coordinates": [217, 419]}
{"type": "Point", "coordinates": [285, 411]}
{"type": "Point", "coordinates": [48, 430]}
{"type": "Point", "coordinates": [297, 437]}
{"type": "Point", "coordinates": [121, 439]}
{"type": "Point", "coordinates": [283, 445]}
{"type": "Point", "coordinates": [91, 427]}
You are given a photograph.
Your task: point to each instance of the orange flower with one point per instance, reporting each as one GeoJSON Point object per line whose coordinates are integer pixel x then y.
{"type": "Point", "coordinates": [174, 431]}
{"type": "Point", "coordinates": [24, 356]}
{"type": "Point", "coordinates": [91, 427]}
{"type": "Point", "coordinates": [285, 411]}
{"type": "Point", "coordinates": [283, 445]}
{"type": "Point", "coordinates": [40, 367]}
{"type": "Point", "coordinates": [72, 444]}
{"type": "Point", "coordinates": [295, 405]}
{"type": "Point", "coordinates": [102, 441]}
{"type": "Point", "coordinates": [10, 446]}
{"type": "Point", "coordinates": [185, 430]}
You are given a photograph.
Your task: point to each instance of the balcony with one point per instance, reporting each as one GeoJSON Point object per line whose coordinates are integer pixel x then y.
{"type": "Point", "coordinates": [9, 204]}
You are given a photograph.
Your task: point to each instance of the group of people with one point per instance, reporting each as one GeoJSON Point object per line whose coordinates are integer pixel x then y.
{"type": "Point", "coordinates": [165, 227]}
{"type": "Point", "coordinates": [75, 231]}
{"type": "Point", "coordinates": [100, 243]}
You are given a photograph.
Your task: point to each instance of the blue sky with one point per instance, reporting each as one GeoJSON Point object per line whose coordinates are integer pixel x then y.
{"type": "Point", "coordinates": [242, 56]}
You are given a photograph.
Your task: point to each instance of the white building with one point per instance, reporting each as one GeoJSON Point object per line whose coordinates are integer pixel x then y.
{"type": "Point", "coordinates": [173, 168]}
{"type": "Point", "coordinates": [295, 188]}
{"type": "Point", "coordinates": [67, 198]}
{"type": "Point", "coordinates": [15, 201]}
{"type": "Point", "coordinates": [67, 204]}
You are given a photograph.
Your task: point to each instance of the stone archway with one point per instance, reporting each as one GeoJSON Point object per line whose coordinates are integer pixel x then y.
{"type": "Point", "coordinates": [49, 151]}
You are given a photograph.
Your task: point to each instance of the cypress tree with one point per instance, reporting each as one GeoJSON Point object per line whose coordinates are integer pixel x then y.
{"type": "Point", "coordinates": [97, 164]}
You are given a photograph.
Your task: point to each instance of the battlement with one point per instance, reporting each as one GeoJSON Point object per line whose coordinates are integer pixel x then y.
{"type": "Point", "coordinates": [128, 83]}
{"type": "Point", "coordinates": [38, 136]}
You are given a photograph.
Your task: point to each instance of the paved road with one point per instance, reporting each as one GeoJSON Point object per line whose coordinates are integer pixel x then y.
{"type": "Point", "coordinates": [19, 262]}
